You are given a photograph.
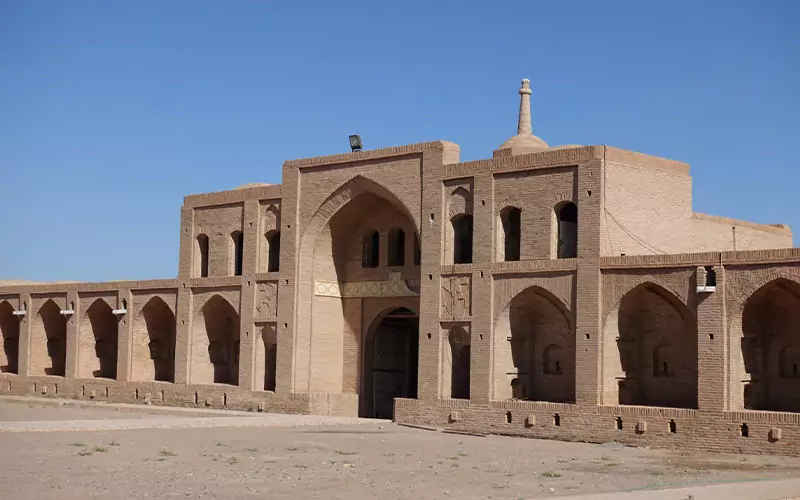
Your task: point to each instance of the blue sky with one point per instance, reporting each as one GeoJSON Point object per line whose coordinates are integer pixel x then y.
{"type": "Point", "coordinates": [111, 112]}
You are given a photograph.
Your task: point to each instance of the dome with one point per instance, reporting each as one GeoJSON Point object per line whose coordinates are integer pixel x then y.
{"type": "Point", "coordinates": [253, 185]}
{"type": "Point", "coordinates": [521, 144]}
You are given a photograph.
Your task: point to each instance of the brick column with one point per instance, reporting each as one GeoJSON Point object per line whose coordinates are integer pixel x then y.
{"type": "Point", "coordinates": [186, 249]}
{"type": "Point", "coordinates": [124, 336]}
{"type": "Point", "coordinates": [587, 298]}
{"type": "Point", "coordinates": [286, 366]}
{"type": "Point", "coordinates": [183, 334]}
{"type": "Point", "coordinates": [25, 323]}
{"type": "Point", "coordinates": [247, 333]}
{"type": "Point", "coordinates": [480, 381]}
{"type": "Point", "coordinates": [71, 369]}
{"type": "Point", "coordinates": [432, 223]}
{"type": "Point", "coordinates": [184, 301]}
{"type": "Point", "coordinates": [712, 345]}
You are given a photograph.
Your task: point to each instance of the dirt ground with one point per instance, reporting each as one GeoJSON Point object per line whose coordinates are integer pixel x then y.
{"type": "Point", "coordinates": [353, 462]}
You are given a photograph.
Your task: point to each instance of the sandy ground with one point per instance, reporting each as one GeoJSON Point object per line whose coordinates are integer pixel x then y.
{"type": "Point", "coordinates": [344, 461]}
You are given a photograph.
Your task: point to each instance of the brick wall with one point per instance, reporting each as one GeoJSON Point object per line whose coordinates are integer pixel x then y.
{"type": "Point", "coordinates": [573, 317]}
{"type": "Point", "coordinates": [648, 210]}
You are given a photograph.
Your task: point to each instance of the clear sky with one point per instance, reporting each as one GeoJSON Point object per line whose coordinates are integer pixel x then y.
{"type": "Point", "coordinates": [111, 111]}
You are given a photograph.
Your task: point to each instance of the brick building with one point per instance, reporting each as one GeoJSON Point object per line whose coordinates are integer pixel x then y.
{"type": "Point", "coordinates": [564, 292]}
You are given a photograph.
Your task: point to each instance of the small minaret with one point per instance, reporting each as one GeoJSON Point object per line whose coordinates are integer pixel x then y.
{"type": "Point", "coordinates": [524, 141]}
{"type": "Point", "coordinates": [524, 126]}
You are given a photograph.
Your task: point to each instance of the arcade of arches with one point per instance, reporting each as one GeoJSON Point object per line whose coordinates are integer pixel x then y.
{"type": "Point", "coordinates": [649, 356]}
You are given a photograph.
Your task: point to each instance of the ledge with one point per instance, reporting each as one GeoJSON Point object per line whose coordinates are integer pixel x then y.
{"type": "Point", "coordinates": [372, 154]}
{"type": "Point", "coordinates": [228, 197]}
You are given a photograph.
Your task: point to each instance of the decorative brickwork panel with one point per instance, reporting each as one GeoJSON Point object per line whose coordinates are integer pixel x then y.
{"type": "Point", "coordinates": [266, 300]}
{"type": "Point", "coordinates": [456, 296]}
{"type": "Point", "coordinates": [395, 286]}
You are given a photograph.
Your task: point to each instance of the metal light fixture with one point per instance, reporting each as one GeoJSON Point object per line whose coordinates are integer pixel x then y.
{"type": "Point", "coordinates": [355, 143]}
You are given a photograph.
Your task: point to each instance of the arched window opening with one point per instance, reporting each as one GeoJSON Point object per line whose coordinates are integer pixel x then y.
{"type": "Point", "coordinates": [567, 217]}
{"type": "Point", "coordinates": [397, 247]}
{"type": "Point", "coordinates": [510, 219]}
{"type": "Point", "coordinates": [238, 252]}
{"type": "Point", "coordinates": [462, 239]}
{"type": "Point", "coordinates": [274, 252]}
{"type": "Point", "coordinates": [370, 249]}
{"type": "Point", "coordinates": [202, 256]}
{"type": "Point", "coordinates": [417, 250]}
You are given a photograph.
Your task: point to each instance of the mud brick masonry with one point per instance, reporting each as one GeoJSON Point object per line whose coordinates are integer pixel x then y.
{"type": "Point", "coordinates": [560, 292]}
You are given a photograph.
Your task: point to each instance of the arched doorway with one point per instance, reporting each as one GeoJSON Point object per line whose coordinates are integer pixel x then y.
{"type": "Point", "coordinates": [391, 362]}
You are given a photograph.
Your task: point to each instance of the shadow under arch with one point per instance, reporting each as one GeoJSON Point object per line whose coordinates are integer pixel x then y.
{"type": "Point", "coordinates": [390, 357]}
{"type": "Point", "coordinates": [215, 343]}
{"type": "Point", "coordinates": [154, 342]}
{"type": "Point", "coordinates": [770, 347]}
{"type": "Point", "coordinates": [9, 339]}
{"type": "Point", "coordinates": [649, 354]}
{"type": "Point", "coordinates": [534, 333]}
{"type": "Point", "coordinates": [100, 341]}
{"type": "Point", "coordinates": [49, 341]}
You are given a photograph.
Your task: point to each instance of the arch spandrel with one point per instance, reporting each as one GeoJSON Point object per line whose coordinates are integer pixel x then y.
{"type": "Point", "coordinates": [742, 284]}
{"type": "Point", "coordinates": [679, 285]}
{"type": "Point", "coordinates": [558, 290]}
{"type": "Point", "coordinates": [140, 300]}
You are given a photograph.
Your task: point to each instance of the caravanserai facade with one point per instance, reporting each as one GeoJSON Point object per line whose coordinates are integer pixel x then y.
{"type": "Point", "coordinates": [562, 292]}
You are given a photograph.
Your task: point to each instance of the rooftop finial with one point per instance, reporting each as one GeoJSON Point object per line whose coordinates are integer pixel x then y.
{"type": "Point", "coordinates": [524, 126]}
